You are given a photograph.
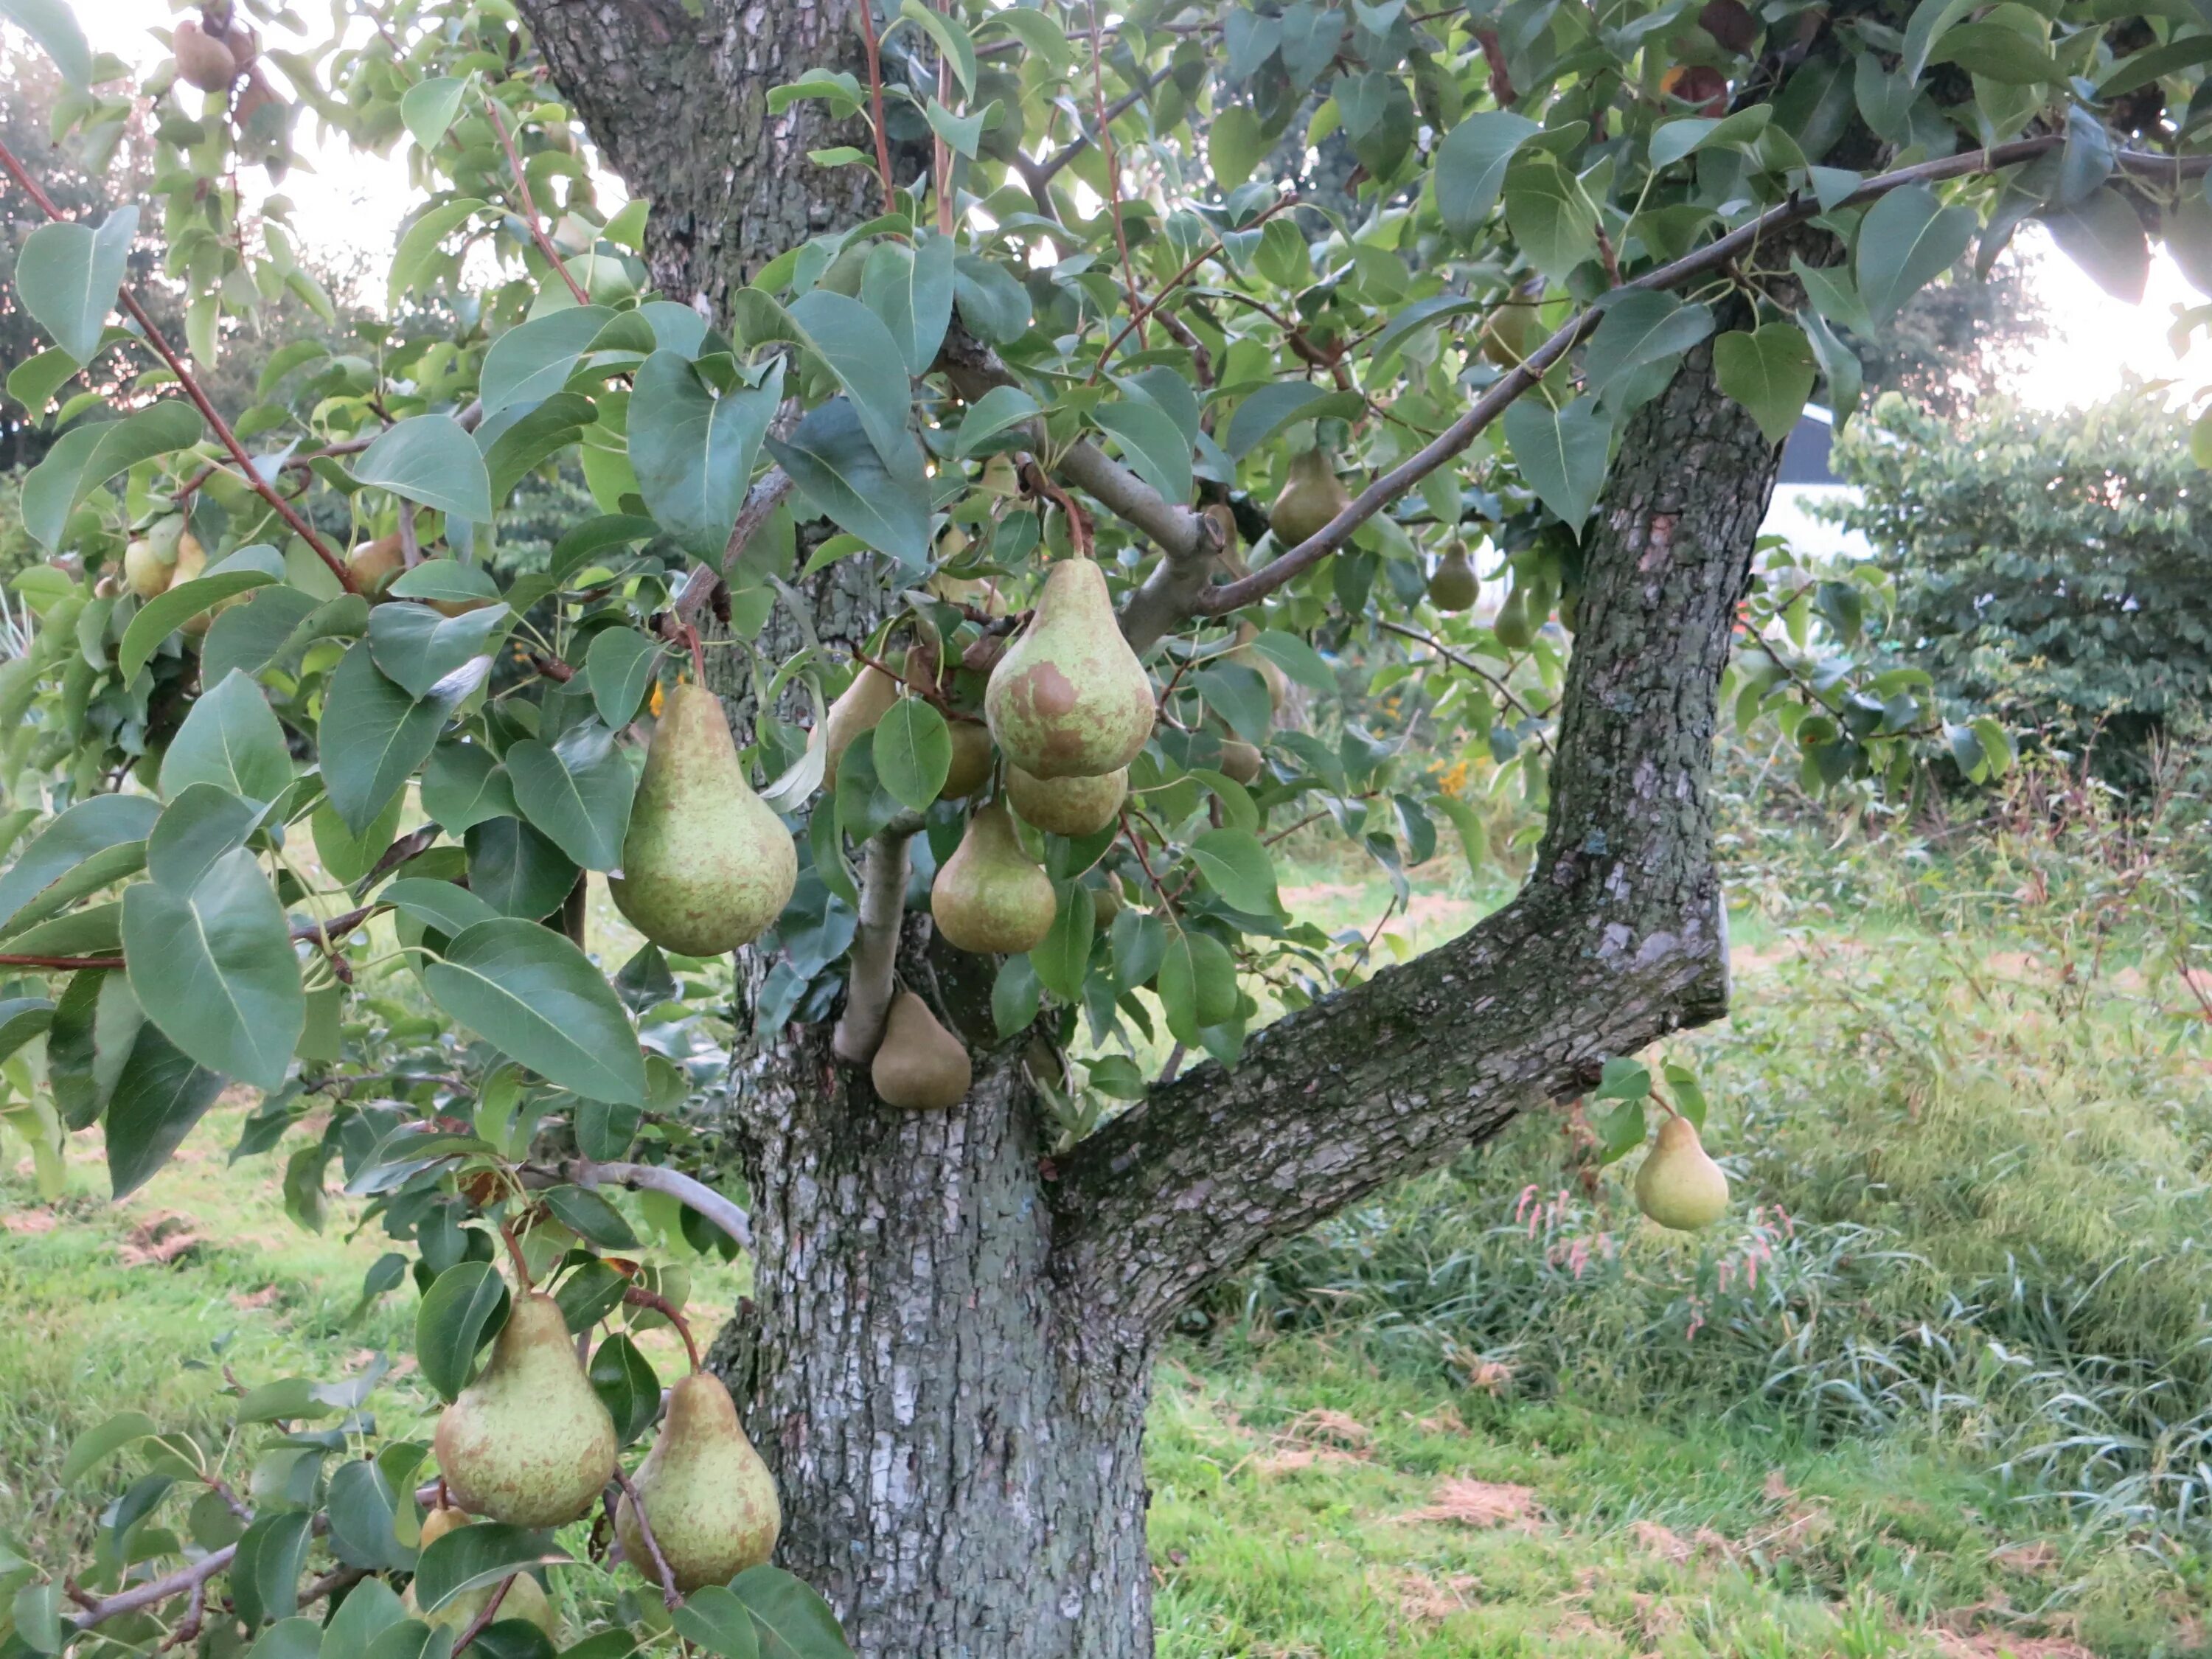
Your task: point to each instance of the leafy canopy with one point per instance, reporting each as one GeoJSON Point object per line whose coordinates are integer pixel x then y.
{"type": "Point", "coordinates": [281, 629]}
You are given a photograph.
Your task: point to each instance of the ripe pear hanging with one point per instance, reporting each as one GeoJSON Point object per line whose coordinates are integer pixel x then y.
{"type": "Point", "coordinates": [1068, 807]}
{"type": "Point", "coordinates": [1454, 586]}
{"type": "Point", "coordinates": [972, 755]}
{"type": "Point", "coordinates": [707, 866]}
{"type": "Point", "coordinates": [528, 1442]}
{"type": "Point", "coordinates": [919, 1065]}
{"type": "Point", "coordinates": [857, 709]}
{"type": "Point", "coordinates": [1312, 495]}
{"type": "Point", "coordinates": [1680, 1186]}
{"type": "Point", "coordinates": [709, 1496]}
{"type": "Point", "coordinates": [990, 895]}
{"type": "Point", "coordinates": [524, 1598]}
{"type": "Point", "coordinates": [1069, 699]}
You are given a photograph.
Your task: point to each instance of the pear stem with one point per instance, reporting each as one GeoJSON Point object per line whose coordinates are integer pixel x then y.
{"type": "Point", "coordinates": [514, 1251]}
{"type": "Point", "coordinates": [660, 1566]}
{"type": "Point", "coordinates": [698, 653]}
{"type": "Point", "coordinates": [638, 1296]}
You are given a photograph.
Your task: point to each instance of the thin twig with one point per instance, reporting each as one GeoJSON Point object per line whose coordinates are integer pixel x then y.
{"type": "Point", "coordinates": [866, 11]}
{"type": "Point", "coordinates": [638, 1296]}
{"type": "Point", "coordinates": [490, 1612]}
{"type": "Point", "coordinates": [1113, 173]}
{"type": "Point", "coordinates": [1138, 316]}
{"type": "Point", "coordinates": [208, 412]}
{"type": "Point", "coordinates": [660, 1567]}
{"type": "Point", "coordinates": [530, 205]}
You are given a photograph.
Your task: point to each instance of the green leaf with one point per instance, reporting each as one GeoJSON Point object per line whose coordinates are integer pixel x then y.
{"type": "Point", "coordinates": [620, 664]}
{"type": "Point", "coordinates": [1197, 984]}
{"type": "Point", "coordinates": [990, 298]}
{"type": "Point", "coordinates": [533, 359]}
{"type": "Point", "coordinates": [30, 887]}
{"type": "Point", "coordinates": [912, 752]}
{"type": "Point", "coordinates": [1236, 865]}
{"type": "Point", "coordinates": [1234, 144]}
{"type": "Point", "coordinates": [997, 410]}
{"type": "Point", "coordinates": [160, 1093]}
{"type": "Point", "coordinates": [693, 451]}
{"type": "Point", "coordinates": [295, 1638]}
{"type": "Point", "coordinates": [1297, 659]}
{"type": "Point", "coordinates": [265, 1573]}
{"type": "Point", "coordinates": [861, 351]}
{"type": "Point", "coordinates": [86, 457]}
{"type": "Point", "coordinates": [910, 289]}
{"type": "Point", "coordinates": [1063, 957]}
{"type": "Point", "coordinates": [1550, 214]}
{"type": "Point", "coordinates": [1015, 994]}
{"type": "Point", "coordinates": [622, 1379]}
{"type": "Point", "coordinates": [513, 444]}
{"type": "Point", "coordinates": [843, 476]}
{"type": "Point", "coordinates": [215, 970]}
{"type": "Point", "coordinates": [447, 906]}
{"type": "Point", "coordinates": [373, 738]}
{"type": "Point", "coordinates": [1997, 52]}
{"type": "Point", "coordinates": [462, 786]}
{"type": "Point", "coordinates": [33, 381]}
{"type": "Point", "coordinates": [1770, 372]}
{"type": "Point", "coordinates": [166, 612]}
{"type": "Point", "coordinates": [428, 108]}
{"type": "Point", "coordinates": [589, 1216]}
{"type": "Point", "coordinates": [370, 1608]}
{"type": "Point", "coordinates": [1152, 444]}
{"type": "Point", "coordinates": [54, 27]}
{"type": "Point", "coordinates": [101, 1441]}
{"type": "Point", "coordinates": [578, 791]}
{"type": "Point", "coordinates": [274, 626]}
{"type": "Point", "coordinates": [96, 1023]}
{"type": "Point", "coordinates": [1471, 163]}
{"type": "Point", "coordinates": [1906, 240]}
{"type": "Point", "coordinates": [533, 995]}
{"type": "Point", "coordinates": [794, 1621]}
{"type": "Point", "coordinates": [362, 1505]}
{"type": "Point", "coordinates": [22, 1018]}
{"type": "Point", "coordinates": [419, 649]}
{"type": "Point", "coordinates": [473, 1557]}
{"type": "Point", "coordinates": [232, 740]}
{"type": "Point", "coordinates": [1929, 19]}
{"type": "Point", "coordinates": [1641, 328]}
{"type": "Point", "coordinates": [464, 1307]}
{"type": "Point", "coordinates": [950, 36]}
{"type": "Point", "coordinates": [516, 870]}
{"type": "Point", "coordinates": [198, 826]}
{"type": "Point", "coordinates": [714, 1618]}
{"type": "Point", "coordinates": [2103, 236]}
{"type": "Point", "coordinates": [67, 275]}
{"type": "Point", "coordinates": [447, 581]}
{"type": "Point", "coordinates": [1562, 454]}
{"type": "Point", "coordinates": [430, 458]}
{"type": "Point", "coordinates": [418, 244]}
{"type": "Point", "coordinates": [1266, 411]}
{"type": "Point", "coordinates": [1839, 366]}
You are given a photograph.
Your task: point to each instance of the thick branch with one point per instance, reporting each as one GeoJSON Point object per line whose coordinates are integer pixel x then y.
{"type": "Point", "coordinates": [693, 1195]}
{"type": "Point", "coordinates": [1618, 939]}
{"type": "Point", "coordinates": [869, 987]}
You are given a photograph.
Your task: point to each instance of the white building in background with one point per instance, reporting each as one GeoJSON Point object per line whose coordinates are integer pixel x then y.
{"type": "Point", "coordinates": [1806, 483]}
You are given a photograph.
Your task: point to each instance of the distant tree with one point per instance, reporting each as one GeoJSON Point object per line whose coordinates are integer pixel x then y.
{"type": "Point", "coordinates": [1958, 340]}
{"type": "Point", "coordinates": [2056, 569]}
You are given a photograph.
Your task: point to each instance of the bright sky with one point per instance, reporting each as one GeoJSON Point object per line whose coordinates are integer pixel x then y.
{"type": "Point", "coordinates": [345, 200]}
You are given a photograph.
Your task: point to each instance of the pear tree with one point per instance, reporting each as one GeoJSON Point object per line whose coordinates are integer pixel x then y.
{"type": "Point", "coordinates": [1041, 459]}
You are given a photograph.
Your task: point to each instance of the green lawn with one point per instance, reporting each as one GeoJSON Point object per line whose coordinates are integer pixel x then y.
{"type": "Point", "coordinates": [1934, 1389]}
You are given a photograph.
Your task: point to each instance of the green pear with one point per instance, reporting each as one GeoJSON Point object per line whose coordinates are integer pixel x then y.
{"type": "Point", "coordinates": [1312, 495]}
{"type": "Point", "coordinates": [1455, 584]}
{"type": "Point", "coordinates": [990, 895]}
{"type": "Point", "coordinates": [707, 866]}
{"type": "Point", "coordinates": [710, 1499]}
{"type": "Point", "coordinates": [1512, 625]}
{"type": "Point", "coordinates": [919, 1065]}
{"type": "Point", "coordinates": [528, 1442]}
{"type": "Point", "coordinates": [1068, 807]}
{"type": "Point", "coordinates": [972, 756]}
{"type": "Point", "coordinates": [1069, 699]}
{"type": "Point", "coordinates": [525, 1599]}
{"type": "Point", "coordinates": [1679, 1185]}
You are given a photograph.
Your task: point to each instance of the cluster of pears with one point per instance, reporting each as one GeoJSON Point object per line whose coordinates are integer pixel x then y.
{"type": "Point", "coordinates": [211, 59]}
{"type": "Point", "coordinates": [1680, 1186]}
{"type": "Point", "coordinates": [707, 865]}
{"type": "Point", "coordinates": [168, 553]}
{"type": "Point", "coordinates": [528, 1442]}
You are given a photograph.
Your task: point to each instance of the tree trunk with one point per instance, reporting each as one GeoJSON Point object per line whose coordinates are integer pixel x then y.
{"type": "Point", "coordinates": [948, 1355]}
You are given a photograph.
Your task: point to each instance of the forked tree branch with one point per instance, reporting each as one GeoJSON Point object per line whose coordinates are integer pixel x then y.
{"type": "Point", "coordinates": [1618, 938]}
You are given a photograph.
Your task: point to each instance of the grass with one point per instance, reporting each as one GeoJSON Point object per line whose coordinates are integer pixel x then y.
{"type": "Point", "coordinates": [1937, 1388]}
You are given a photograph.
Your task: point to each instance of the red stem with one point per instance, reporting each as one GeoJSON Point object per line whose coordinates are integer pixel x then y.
{"type": "Point", "coordinates": [866, 10]}
{"type": "Point", "coordinates": [638, 1296]}
{"type": "Point", "coordinates": [530, 206]}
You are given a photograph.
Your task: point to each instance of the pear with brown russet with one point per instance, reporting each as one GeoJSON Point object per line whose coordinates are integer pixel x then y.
{"type": "Point", "coordinates": [709, 1497]}
{"type": "Point", "coordinates": [990, 897]}
{"type": "Point", "coordinates": [528, 1442]}
{"type": "Point", "coordinates": [524, 1598]}
{"type": "Point", "coordinates": [707, 865]}
{"type": "Point", "coordinates": [1680, 1186]}
{"type": "Point", "coordinates": [1068, 807]}
{"type": "Point", "coordinates": [1069, 699]}
{"type": "Point", "coordinates": [920, 1066]}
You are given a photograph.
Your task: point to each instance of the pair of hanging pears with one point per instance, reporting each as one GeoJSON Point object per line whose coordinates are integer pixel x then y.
{"type": "Point", "coordinates": [529, 1443]}
{"type": "Point", "coordinates": [707, 865]}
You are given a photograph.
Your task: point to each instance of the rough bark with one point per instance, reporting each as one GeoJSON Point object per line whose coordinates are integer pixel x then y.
{"type": "Point", "coordinates": [947, 1357]}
